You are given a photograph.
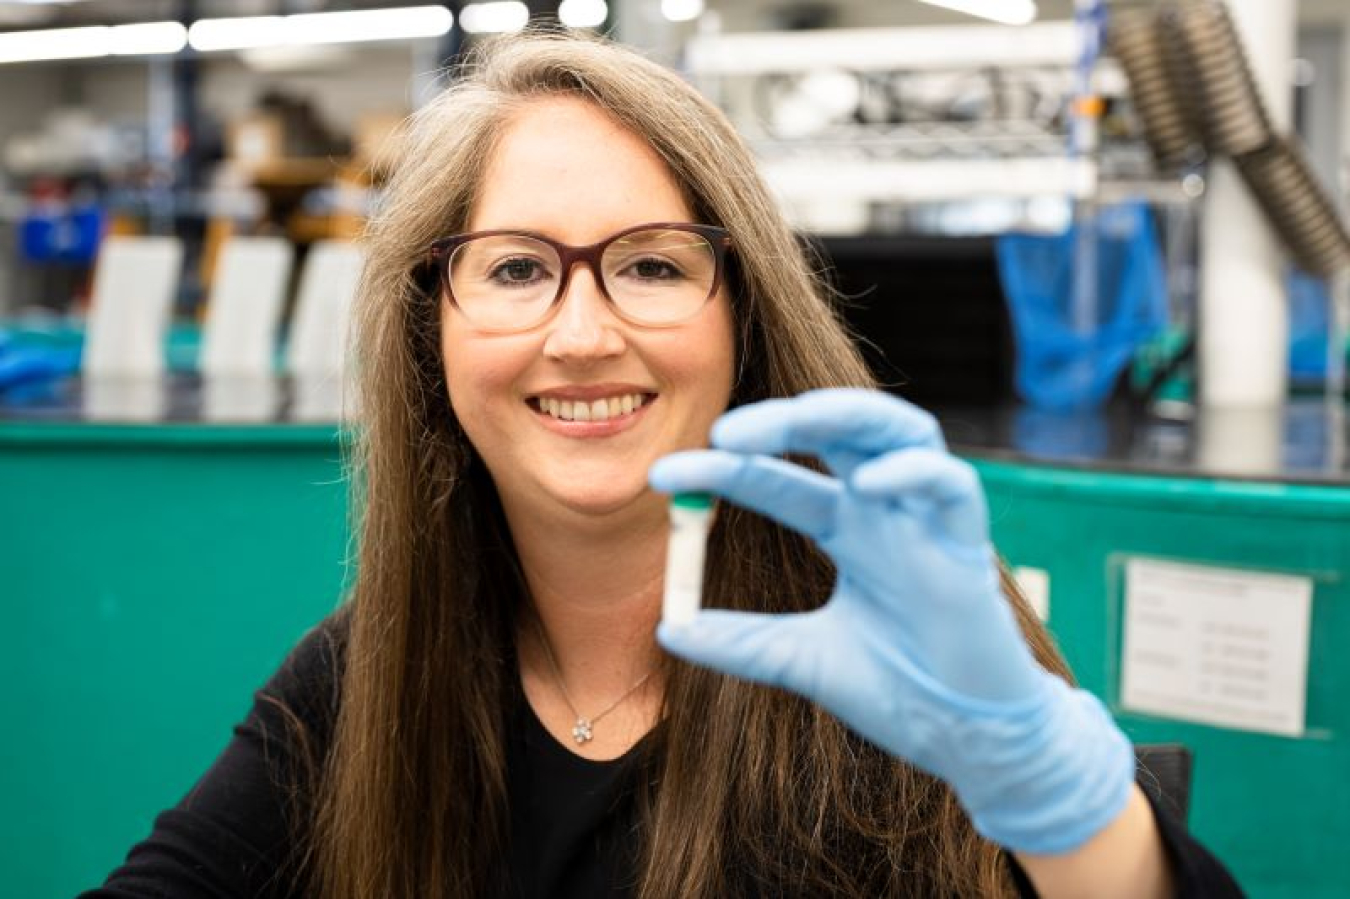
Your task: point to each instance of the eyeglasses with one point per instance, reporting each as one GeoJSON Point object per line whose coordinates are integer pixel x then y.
{"type": "Point", "coordinates": [655, 275]}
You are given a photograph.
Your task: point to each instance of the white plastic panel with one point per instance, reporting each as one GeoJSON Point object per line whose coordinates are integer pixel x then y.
{"type": "Point", "coordinates": [134, 286]}
{"type": "Point", "coordinates": [244, 313]}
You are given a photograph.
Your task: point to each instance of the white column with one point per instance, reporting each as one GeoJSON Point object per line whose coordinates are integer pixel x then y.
{"type": "Point", "coordinates": [1244, 323]}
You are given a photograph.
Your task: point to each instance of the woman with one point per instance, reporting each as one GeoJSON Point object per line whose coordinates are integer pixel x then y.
{"type": "Point", "coordinates": [576, 272]}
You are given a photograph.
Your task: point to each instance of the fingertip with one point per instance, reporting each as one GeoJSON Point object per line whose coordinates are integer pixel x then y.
{"type": "Point", "coordinates": [867, 481]}
{"type": "Point", "coordinates": [675, 472]}
{"type": "Point", "coordinates": [750, 427]}
{"type": "Point", "coordinates": [885, 475]}
{"type": "Point", "coordinates": [697, 471]}
{"type": "Point", "coordinates": [726, 431]}
{"type": "Point", "coordinates": [673, 635]}
{"type": "Point", "coordinates": [717, 435]}
{"type": "Point", "coordinates": [660, 474]}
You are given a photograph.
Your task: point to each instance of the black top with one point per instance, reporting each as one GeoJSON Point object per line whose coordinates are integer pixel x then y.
{"type": "Point", "coordinates": [572, 820]}
{"type": "Point", "coordinates": [570, 816]}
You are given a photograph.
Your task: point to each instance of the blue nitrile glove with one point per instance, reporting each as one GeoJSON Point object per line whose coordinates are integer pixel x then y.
{"type": "Point", "coordinates": [917, 649]}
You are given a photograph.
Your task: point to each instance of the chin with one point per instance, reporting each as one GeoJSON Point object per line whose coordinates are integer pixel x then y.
{"type": "Point", "coordinates": [601, 503]}
{"type": "Point", "coordinates": [593, 484]}
{"type": "Point", "coordinates": [600, 497]}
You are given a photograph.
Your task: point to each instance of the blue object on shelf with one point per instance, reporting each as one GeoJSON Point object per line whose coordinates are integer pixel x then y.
{"type": "Point", "coordinates": [1309, 303]}
{"type": "Point", "coordinates": [25, 366]}
{"type": "Point", "coordinates": [32, 360]}
{"type": "Point", "coordinates": [1059, 367]}
{"type": "Point", "coordinates": [60, 233]}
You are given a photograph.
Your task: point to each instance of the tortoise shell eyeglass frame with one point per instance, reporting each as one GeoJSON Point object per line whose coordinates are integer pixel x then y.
{"type": "Point", "coordinates": [442, 251]}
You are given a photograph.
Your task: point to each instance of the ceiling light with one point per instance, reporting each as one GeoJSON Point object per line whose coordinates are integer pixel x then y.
{"type": "Point", "coordinates": [143, 39]}
{"type": "Point", "coordinates": [1006, 12]}
{"type": "Point", "coordinates": [248, 33]}
{"type": "Point", "coordinates": [369, 25]}
{"type": "Point", "coordinates": [583, 13]}
{"type": "Point", "coordinates": [54, 43]}
{"type": "Point", "coordinates": [237, 34]}
{"type": "Point", "coordinates": [681, 10]}
{"type": "Point", "coordinates": [147, 38]}
{"type": "Point", "coordinates": [504, 15]}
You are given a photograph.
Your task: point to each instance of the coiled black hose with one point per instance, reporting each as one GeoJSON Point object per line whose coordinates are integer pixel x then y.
{"type": "Point", "coordinates": [1207, 64]}
{"type": "Point", "coordinates": [1189, 75]}
{"type": "Point", "coordinates": [1135, 38]}
{"type": "Point", "coordinates": [1300, 211]}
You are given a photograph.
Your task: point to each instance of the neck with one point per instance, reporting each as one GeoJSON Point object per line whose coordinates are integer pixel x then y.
{"type": "Point", "coordinates": [596, 588]}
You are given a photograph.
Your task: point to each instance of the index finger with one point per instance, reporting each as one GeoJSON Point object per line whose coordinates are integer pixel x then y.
{"type": "Point", "coordinates": [843, 427]}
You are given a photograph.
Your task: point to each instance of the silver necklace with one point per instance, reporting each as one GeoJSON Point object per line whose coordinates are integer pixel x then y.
{"type": "Point", "coordinates": [583, 729]}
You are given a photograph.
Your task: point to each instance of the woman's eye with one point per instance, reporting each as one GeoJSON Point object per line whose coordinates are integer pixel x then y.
{"type": "Point", "coordinates": [654, 270]}
{"type": "Point", "coordinates": [517, 271]}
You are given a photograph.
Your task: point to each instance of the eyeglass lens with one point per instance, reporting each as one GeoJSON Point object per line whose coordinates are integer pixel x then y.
{"type": "Point", "coordinates": [509, 281]}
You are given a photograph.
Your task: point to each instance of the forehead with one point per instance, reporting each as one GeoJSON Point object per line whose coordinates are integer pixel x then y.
{"type": "Point", "coordinates": [564, 167]}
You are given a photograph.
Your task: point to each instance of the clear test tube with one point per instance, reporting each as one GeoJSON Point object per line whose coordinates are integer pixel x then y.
{"type": "Point", "coordinates": [690, 519]}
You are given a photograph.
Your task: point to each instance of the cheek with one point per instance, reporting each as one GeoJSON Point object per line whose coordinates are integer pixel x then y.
{"type": "Point", "coordinates": [716, 353]}
{"type": "Point", "coordinates": [702, 362]}
{"type": "Point", "coordinates": [476, 375]}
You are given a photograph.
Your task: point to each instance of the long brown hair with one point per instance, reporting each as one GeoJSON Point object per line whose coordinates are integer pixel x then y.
{"type": "Point", "coordinates": [411, 799]}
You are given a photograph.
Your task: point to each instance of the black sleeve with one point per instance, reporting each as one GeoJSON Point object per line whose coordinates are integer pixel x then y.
{"type": "Point", "coordinates": [1195, 870]}
{"type": "Point", "coordinates": [234, 833]}
{"type": "Point", "coordinates": [1196, 873]}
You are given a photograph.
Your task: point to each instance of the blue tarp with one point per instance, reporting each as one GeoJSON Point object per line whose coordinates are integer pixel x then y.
{"type": "Point", "coordinates": [1057, 366]}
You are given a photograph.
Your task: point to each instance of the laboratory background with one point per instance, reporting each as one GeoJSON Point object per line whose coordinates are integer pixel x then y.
{"type": "Point", "coordinates": [1105, 243]}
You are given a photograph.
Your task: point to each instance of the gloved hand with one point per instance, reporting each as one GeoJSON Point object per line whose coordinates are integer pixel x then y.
{"type": "Point", "coordinates": [917, 649]}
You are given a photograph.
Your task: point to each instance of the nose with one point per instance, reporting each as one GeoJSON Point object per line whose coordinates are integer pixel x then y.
{"type": "Point", "coordinates": [585, 329]}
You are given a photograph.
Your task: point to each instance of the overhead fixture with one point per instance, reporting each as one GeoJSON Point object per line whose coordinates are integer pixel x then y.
{"type": "Point", "coordinates": [502, 15]}
{"type": "Point", "coordinates": [1006, 12]}
{"type": "Point", "coordinates": [54, 43]}
{"type": "Point", "coordinates": [681, 10]}
{"type": "Point", "coordinates": [144, 39]}
{"type": "Point", "coordinates": [252, 32]}
{"type": "Point", "coordinates": [148, 38]}
{"type": "Point", "coordinates": [583, 13]}
{"type": "Point", "coordinates": [243, 33]}
{"type": "Point", "coordinates": [369, 25]}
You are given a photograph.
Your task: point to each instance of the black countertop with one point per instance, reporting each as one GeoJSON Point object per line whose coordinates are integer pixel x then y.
{"type": "Point", "coordinates": [1303, 441]}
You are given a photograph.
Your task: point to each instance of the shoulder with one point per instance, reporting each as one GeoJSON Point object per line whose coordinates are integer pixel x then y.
{"type": "Point", "coordinates": [306, 688]}
{"type": "Point", "coordinates": [318, 655]}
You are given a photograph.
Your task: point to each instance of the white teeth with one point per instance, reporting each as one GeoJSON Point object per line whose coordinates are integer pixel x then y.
{"type": "Point", "coordinates": [599, 410]}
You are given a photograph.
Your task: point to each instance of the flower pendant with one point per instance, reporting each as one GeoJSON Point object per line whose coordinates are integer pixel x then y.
{"type": "Point", "coordinates": [581, 731]}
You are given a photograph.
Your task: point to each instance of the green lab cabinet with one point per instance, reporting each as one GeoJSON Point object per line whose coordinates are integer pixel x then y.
{"type": "Point", "coordinates": [152, 576]}
{"type": "Point", "coordinates": [1275, 809]}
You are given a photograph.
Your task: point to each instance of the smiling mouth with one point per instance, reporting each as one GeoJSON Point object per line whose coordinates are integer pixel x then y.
{"type": "Point", "coordinates": [595, 410]}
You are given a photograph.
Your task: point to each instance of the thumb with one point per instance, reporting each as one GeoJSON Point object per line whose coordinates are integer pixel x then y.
{"type": "Point", "coordinates": [769, 649]}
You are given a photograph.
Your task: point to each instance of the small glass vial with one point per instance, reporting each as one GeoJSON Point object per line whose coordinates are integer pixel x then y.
{"type": "Point", "coordinates": [690, 519]}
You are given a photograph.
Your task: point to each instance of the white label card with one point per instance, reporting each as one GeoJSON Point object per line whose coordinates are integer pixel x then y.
{"type": "Point", "coordinates": [1216, 645]}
